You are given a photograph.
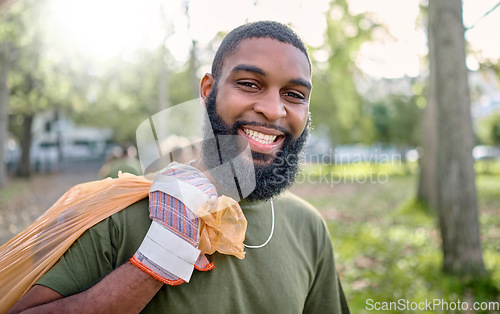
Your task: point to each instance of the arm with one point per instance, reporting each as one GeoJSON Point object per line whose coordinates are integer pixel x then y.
{"type": "Point", "coordinates": [125, 290]}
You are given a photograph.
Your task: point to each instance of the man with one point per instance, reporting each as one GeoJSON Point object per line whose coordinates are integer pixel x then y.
{"type": "Point", "coordinates": [122, 158]}
{"type": "Point", "coordinates": [259, 90]}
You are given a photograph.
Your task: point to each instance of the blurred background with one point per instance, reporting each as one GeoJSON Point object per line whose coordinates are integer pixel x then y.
{"type": "Point", "coordinates": [78, 77]}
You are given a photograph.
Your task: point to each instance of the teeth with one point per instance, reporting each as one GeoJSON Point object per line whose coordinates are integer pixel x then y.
{"type": "Point", "coordinates": [260, 137]}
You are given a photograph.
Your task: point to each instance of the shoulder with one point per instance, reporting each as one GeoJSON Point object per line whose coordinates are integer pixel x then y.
{"type": "Point", "coordinates": [119, 232]}
{"type": "Point", "coordinates": [134, 212]}
{"type": "Point", "coordinates": [130, 221]}
{"type": "Point", "coordinates": [298, 207]}
{"type": "Point", "coordinates": [301, 216]}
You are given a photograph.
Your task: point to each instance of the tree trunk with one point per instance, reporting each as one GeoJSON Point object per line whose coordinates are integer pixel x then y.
{"type": "Point", "coordinates": [24, 169]}
{"type": "Point", "coordinates": [59, 139]}
{"type": "Point", "coordinates": [163, 82]}
{"type": "Point", "coordinates": [193, 69]}
{"type": "Point", "coordinates": [4, 101]}
{"type": "Point", "coordinates": [164, 75]}
{"type": "Point", "coordinates": [427, 182]}
{"type": "Point", "coordinates": [456, 191]}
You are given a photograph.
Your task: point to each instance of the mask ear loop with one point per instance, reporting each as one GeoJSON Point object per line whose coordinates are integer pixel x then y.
{"type": "Point", "coordinates": [270, 235]}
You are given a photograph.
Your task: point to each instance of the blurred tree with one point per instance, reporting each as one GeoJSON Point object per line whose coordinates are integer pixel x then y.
{"type": "Point", "coordinates": [427, 190]}
{"type": "Point", "coordinates": [454, 175]}
{"type": "Point", "coordinates": [335, 101]}
{"type": "Point", "coordinates": [27, 97]}
{"type": "Point", "coordinates": [7, 52]}
{"type": "Point", "coordinates": [4, 100]}
{"type": "Point", "coordinates": [126, 92]}
{"type": "Point", "coordinates": [121, 94]}
{"type": "Point", "coordinates": [193, 66]}
{"type": "Point", "coordinates": [164, 75]}
{"type": "Point", "coordinates": [12, 29]}
{"type": "Point", "coordinates": [193, 63]}
{"type": "Point", "coordinates": [20, 44]}
{"type": "Point", "coordinates": [40, 77]}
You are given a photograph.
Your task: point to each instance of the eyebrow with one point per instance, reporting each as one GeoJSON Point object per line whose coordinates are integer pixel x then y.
{"type": "Point", "coordinates": [302, 82]}
{"type": "Point", "coordinates": [259, 71]}
{"type": "Point", "coordinates": [248, 68]}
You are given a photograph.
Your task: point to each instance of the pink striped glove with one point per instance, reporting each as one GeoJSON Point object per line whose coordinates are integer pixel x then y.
{"type": "Point", "coordinates": [169, 252]}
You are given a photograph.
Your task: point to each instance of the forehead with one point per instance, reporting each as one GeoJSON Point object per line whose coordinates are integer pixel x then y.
{"type": "Point", "coordinates": [271, 55]}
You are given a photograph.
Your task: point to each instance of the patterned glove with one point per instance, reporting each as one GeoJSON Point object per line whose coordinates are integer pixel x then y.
{"type": "Point", "coordinates": [169, 252]}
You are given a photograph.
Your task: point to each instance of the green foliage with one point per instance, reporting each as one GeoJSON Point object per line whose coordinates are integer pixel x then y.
{"type": "Point", "coordinates": [121, 96]}
{"type": "Point", "coordinates": [397, 119]}
{"type": "Point", "coordinates": [21, 32]}
{"type": "Point", "coordinates": [125, 93]}
{"type": "Point", "coordinates": [387, 245]}
{"type": "Point", "coordinates": [489, 130]}
{"type": "Point", "coordinates": [335, 101]}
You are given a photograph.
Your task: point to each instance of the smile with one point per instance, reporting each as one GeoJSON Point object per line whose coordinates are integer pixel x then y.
{"type": "Point", "coordinates": [260, 137]}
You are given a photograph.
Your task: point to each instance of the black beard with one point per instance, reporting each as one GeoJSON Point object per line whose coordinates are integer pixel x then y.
{"type": "Point", "coordinates": [272, 174]}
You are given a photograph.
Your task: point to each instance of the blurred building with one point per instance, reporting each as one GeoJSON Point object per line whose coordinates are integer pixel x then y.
{"type": "Point", "coordinates": [56, 139]}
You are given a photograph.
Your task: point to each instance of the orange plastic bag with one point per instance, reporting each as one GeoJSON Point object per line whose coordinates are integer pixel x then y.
{"type": "Point", "coordinates": [222, 228]}
{"type": "Point", "coordinates": [30, 254]}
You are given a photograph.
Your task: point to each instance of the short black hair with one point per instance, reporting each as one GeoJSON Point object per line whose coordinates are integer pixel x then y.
{"type": "Point", "coordinates": [260, 29]}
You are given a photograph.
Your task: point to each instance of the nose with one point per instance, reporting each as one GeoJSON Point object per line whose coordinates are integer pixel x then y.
{"type": "Point", "coordinates": [271, 106]}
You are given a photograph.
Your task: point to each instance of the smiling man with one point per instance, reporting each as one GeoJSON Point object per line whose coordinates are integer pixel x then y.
{"type": "Point", "coordinates": [259, 92]}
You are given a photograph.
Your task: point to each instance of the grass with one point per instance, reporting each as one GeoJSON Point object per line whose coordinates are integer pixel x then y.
{"type": "Point", "coordinates": [387, 244]}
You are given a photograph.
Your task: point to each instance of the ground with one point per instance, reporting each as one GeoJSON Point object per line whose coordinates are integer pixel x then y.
{"type": "Point", "coordinates": [22, 201]}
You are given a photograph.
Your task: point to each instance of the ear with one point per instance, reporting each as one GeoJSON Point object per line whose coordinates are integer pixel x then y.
{"type": "Point", "coordinates": [206, 85]}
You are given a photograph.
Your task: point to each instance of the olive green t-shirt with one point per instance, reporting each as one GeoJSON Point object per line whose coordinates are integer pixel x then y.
{"type": "Point", "coordinates": [293, 273]}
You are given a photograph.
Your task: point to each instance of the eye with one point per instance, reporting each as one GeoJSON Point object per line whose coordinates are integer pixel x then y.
{"type": "Point", "coordinates": [295, 95]}
{"type": "Point", "coordinates": [248, 85]}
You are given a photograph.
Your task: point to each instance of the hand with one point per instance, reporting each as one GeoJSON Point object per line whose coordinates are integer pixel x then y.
{"type": "Point", "coordinates": [169, 252]}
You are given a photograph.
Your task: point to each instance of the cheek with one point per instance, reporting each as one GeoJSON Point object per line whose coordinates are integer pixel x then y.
{"type": "Point", "coordinates": [231, 106]}
{"type": "Point", "coordinates": [297, 119]}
